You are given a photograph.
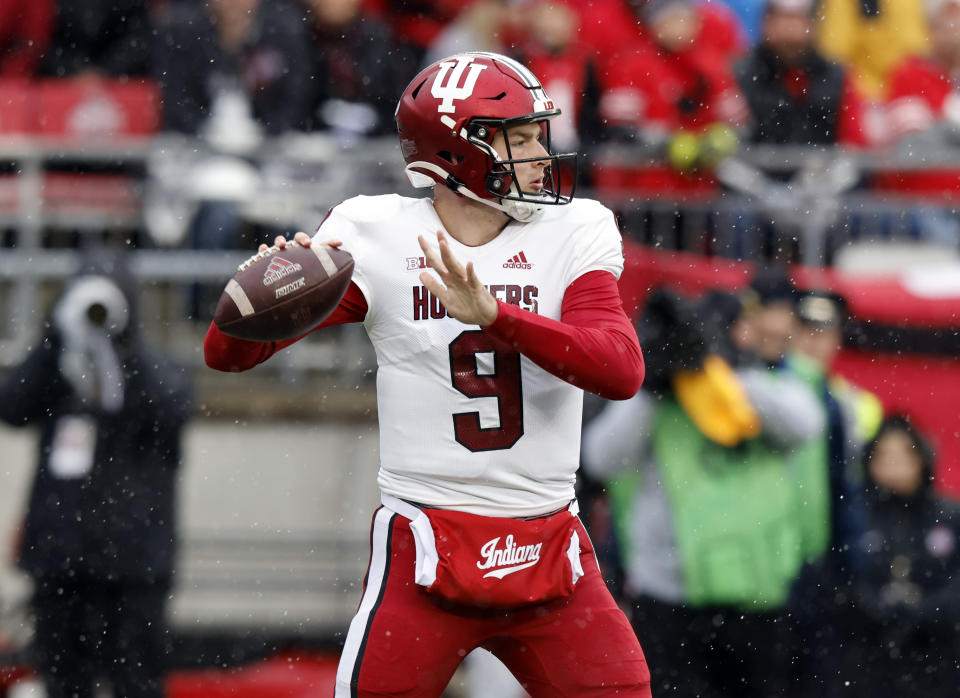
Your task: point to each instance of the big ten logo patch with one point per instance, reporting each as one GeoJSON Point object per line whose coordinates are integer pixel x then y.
{"type": "Point", "coordinates": [416, 263]}
{"type": "Point", "coordinates": [427, 306]}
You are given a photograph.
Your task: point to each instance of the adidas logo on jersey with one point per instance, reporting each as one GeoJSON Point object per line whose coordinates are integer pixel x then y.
{"type": "Point", "coordinates": [518, 261]}
{"type": "Point", "coordinates": [508, 559]}
{"type": "Point", "coordinates": [279, 268]}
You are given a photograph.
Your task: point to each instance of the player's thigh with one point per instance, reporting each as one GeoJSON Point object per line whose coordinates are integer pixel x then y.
{"type": "Point", "coordinates": [583, 646]}
{"type": "Point", "coordinates": [400, 643]}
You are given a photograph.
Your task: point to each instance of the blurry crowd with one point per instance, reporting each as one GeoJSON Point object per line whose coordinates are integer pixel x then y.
{"type": "Point", "coordinates": [854, 72]}
{"type": "Point", "coordinates": [771, 530]}
{"type": "Point", "coordinates": [773, 533]}
{"type": "Point", "coordinates": [690, 81]}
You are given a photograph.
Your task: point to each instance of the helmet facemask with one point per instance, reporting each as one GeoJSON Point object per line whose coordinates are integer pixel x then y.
{"type": "Point", "coordinates": [501, 181]}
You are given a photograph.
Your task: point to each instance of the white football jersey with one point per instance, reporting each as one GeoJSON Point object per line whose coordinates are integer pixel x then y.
{"type": "Point", "coordinates": [466, 423]}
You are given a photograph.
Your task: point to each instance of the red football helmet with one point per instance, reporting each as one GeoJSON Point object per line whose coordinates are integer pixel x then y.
{"type": "Point", "coordinates": [447, 119]}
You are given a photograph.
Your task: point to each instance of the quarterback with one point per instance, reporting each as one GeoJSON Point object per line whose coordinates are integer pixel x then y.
{"type": "Point", "coordinates": [491, 307]}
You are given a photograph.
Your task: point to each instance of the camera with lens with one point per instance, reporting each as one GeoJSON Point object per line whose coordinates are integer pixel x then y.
{"type": "Point", "coordinates": [92, 303]}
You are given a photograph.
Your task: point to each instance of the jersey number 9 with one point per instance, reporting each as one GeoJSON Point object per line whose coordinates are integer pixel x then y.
{"type": "Point", "coordinates": [502, 383]}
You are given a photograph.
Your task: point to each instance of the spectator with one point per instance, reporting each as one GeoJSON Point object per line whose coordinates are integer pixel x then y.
{"type": "Point", "coordinates": [417, 23]}
{"type": "Point", "coordinates": [908, 594]}
{"type": "Point", "coordinates": [230, 71]}
{"type": "Point", "coordinates": [99, 536]}
{"type": "Point", "coordinates": [221, 63]}
{"type": "Point", "coordinates": [750, 14]}
{"type": "Point", "coordinates": [923, 114]}
{"type": "Point", "coordinates": [771, 324]}
{"type": "Point", "coordinates": [25, 32]}
{"type": "Point", "coordinates": [769, 319]}
{"type": "Point", "coordinates": [793, 93]}
{"type": "Point", "coordinates": [700, 482]}
{"type": "Point", "coordinates": [480, 26]}
{"type": "Point", "coordinates": [99, 38]}
{"type": "Point", "coordinates": [821, 608]}
{"type": "Point", "coordinates": [924, 93]}
{"type": "Point", "coordinates": [605, 26]}
{"type": "Point", "coordinates": [609, 26]}
{"type": "Point", "coordinates": [762, 336]}
{"type": "Point", "coordinates": [853, 414]}
{"type": "Point", "coordinates": [356, 70]}
{"type": "Point", "coordinates": [675, 79]}
{"type": "Point", "coordinates": [871, 37]}
{"type": "Point", "coordinates": [567, 67]}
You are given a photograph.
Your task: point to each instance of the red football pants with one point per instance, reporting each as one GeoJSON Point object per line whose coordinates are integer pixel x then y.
{"type": "Point", "coordinates": [405, 642]}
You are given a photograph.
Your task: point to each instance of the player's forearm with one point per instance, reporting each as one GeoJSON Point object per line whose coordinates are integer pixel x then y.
{"type": "Point", "coordinates": [603, 361]}
{"type": "Point", "coordinates": [593, 346]}
{"type": "Point", "coordinates": [231, 355]}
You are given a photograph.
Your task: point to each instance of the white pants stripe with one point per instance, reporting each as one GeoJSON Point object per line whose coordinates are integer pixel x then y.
{"type": "Point", "coordinates": [348, 672]}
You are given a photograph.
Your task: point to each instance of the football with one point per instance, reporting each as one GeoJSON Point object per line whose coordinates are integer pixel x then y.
{"type": "Point", "coordinates": [280, 294]}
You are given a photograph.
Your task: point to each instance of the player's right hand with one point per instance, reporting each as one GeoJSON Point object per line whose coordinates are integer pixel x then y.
{"type": "Point", "coordinates": [456, 285]}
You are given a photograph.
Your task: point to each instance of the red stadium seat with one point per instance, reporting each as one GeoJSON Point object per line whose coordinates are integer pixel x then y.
{"type": "Point", "coordinates": [937, 185]}
{"type": "Point", "coordinates": [653, 181]}
{"type": "Point", "coordinates": [96, 109]}
{"type": "Point", "coordinates": [79, 111]}
{"type": "Point", "coordinates": [14, 107]}
{"type": "Point", "coordinates": [282, 676]}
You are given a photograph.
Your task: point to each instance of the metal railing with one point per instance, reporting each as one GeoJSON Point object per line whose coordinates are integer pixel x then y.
{"type": "Point", "coordinates": [799, 201]}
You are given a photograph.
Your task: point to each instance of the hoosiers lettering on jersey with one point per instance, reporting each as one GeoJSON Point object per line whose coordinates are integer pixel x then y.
{"type": "Point", "coordinates": [426, 306]}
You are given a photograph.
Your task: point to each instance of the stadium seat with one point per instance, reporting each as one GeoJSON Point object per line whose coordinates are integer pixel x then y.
{"type": "Point", "coordinates": [14, 107]}
{"type": "Point", "coordinates": [96, 109]}
{"type": "Point", "coordinates": [282, 676]}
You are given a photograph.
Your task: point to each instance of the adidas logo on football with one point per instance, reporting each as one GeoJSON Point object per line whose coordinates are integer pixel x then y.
{"type": "Point", "coordinates": [279, 268]}
{"type": "Point", "coordinates": [518, 261]}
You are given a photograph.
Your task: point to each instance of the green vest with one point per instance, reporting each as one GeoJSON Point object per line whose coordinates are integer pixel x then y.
{"type": "Point", "coordinates": [812, 470]}
{"type": "Point", "coordinates": [734, 513]}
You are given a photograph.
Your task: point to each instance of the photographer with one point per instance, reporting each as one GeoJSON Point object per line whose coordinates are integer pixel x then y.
{"type": "Point", "coordinates": [98, 538]}
{"type": "Point", "coordinates": [706, 501]}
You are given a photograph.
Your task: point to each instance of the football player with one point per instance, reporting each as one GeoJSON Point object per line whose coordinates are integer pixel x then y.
{"type": "Point", "coordinates": [491, 306]}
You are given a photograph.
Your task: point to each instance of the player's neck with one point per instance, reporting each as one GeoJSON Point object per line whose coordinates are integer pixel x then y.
{"type": "Point", "coordinates": [469, 222]}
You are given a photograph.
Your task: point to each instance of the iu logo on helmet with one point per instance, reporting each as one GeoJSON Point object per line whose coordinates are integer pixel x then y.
{"type": "Point", "coordinates": [450, 89]}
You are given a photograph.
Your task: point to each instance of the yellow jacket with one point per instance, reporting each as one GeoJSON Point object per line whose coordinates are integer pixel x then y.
{"type": "Point", "coordinates": [871, 46]}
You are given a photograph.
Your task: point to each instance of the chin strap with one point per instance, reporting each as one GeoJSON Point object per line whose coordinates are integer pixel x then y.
{"type": "Point", "coordinates": [523, 211]}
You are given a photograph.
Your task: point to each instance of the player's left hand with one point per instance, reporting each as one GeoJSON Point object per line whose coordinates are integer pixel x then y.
{"type": "Point", "coordinates": [458, 288]}
{"type": "Point", "coordinates": [300, 238]}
